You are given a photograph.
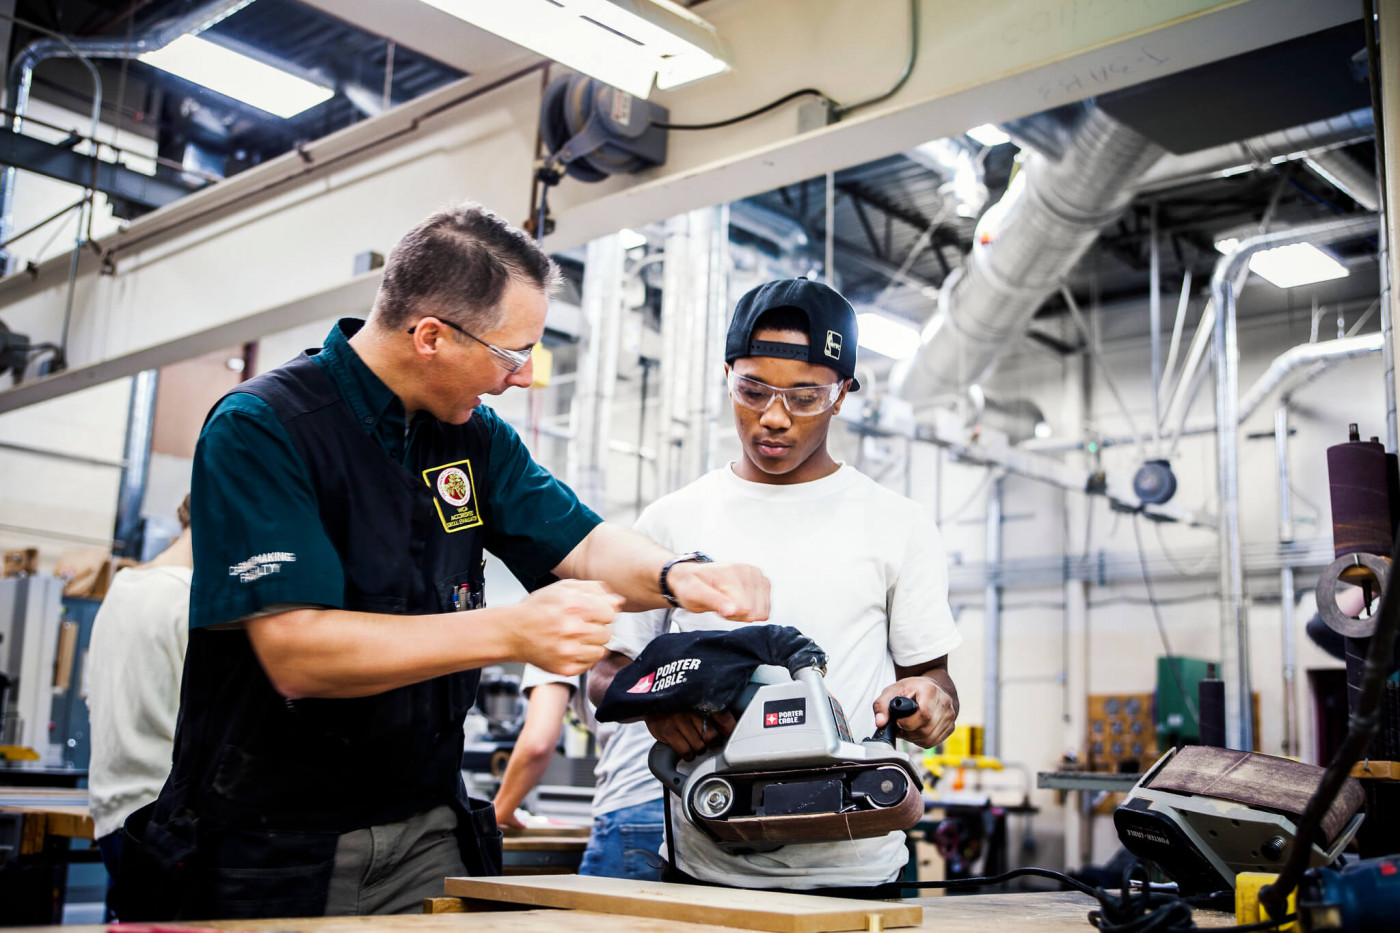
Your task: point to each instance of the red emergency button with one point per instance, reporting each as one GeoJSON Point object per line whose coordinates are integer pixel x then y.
{"type": "Point", "coordinates": [1388, 868]}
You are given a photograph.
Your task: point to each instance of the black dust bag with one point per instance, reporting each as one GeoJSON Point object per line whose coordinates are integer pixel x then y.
{"type": "Point", "coordinates": [703, 672]}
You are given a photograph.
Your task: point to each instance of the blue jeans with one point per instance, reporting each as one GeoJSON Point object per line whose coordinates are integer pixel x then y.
{"type": "Point", "coordinates": [625, 843]}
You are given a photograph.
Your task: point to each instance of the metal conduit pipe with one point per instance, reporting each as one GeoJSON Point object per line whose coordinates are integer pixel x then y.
{"type": "Point", "coordinates": [1290, 369]}
{"type": "Point", "coordinates": [1234, 654]}
{"type": "Point", "coordinates": [1346, 175]}
{"type": "Point", "coordinates": [1293, 367]}
{"type": "Point", "coordinates": [783, 232]}
{"type": "Point", "coordinates": [21, 76]}
{"type": "Point", "coordinates": [1024, 248]}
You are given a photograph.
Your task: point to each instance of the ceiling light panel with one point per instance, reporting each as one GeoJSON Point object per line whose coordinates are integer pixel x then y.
{"type": "Point", "coordinates": [629, 44]}
{"type": "Point", "coordinates": [1292, 265]}
{"type": "Point", "coordinates": [886, 336]}
{"type": "Point", "coordinates": [237, 76]}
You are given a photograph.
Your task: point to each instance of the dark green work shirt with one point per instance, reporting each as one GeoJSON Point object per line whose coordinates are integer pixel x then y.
{"type": "Point", "coordinates": [258, 538]}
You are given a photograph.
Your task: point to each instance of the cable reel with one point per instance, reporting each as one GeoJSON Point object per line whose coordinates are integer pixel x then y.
{"type": "Point", "coordinates": [592, 131]}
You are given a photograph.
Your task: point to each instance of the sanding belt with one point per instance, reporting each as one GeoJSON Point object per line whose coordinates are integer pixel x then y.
{"type": "Point", "coordinates": [1276, 785]}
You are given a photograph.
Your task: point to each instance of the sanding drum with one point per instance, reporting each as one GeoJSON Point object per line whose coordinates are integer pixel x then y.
{"type": "Point", "coordinates": [1362, 478]}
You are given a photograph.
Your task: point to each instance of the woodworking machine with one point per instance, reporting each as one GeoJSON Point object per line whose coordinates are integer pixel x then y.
{"type": "Point", "coordinates": [791, 772]}
{"type": "Point", "coordinates": [1204, 815]}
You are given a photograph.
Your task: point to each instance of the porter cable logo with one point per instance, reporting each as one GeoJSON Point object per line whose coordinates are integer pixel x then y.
{"type": "Point", "coordinates": [791, 712]}
{"type": "Point", "coordinates": [261, 565]}
{"type": "Point", "coordinates": [667, 675]}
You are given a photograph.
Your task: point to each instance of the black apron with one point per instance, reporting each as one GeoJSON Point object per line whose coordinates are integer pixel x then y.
{"type": "Point", "coordinates": [262, 786]}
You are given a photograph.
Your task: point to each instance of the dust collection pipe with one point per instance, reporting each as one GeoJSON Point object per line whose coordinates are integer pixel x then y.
{"type": "Point", "coordinates": [1024, 248]}
{"type": "Point", "coordinates": [21, 76]}
{"type": "Point", "coordinates": [1234, 636]}
{"type": "Point", "coordinates": [1312, 358]}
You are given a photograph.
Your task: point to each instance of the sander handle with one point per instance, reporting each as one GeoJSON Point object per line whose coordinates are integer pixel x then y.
{"type": "Point", "coordinates": [663, 761]}
{"type": "Point", "coordinates": [899, 708]}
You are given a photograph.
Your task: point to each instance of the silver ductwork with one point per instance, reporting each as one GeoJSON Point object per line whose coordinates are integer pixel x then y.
{"type": "Point", "coordinates": [22, 69]}
{"type": "Point", "coordinates": [1347, 175]}
{"type": "Point", "coordinates": [1024, 247]}
{"type": "Point", "coordinates": [1248, 154]}
{"type": "Point", "coordinates": [1303, 363]}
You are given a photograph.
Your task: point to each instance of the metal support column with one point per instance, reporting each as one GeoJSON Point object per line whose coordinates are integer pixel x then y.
{"type": "Point", "coordinates": [590, 418]}
{"type": "Point", "coordinates": [991, 616]}
{"type": "Point", "coordinates": [1286, 591]}
{"type": "Point", "coordinates": [140, 421]}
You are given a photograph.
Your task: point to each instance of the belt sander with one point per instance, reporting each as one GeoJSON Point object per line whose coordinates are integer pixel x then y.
{"type": "Point", "coordinates": [1204, 815]}
{"type": "Point", "coordinates": [791, 772]}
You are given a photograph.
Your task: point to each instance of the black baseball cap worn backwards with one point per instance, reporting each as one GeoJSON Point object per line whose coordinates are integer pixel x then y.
{"type": "Point", "coordinates": [831, 326]}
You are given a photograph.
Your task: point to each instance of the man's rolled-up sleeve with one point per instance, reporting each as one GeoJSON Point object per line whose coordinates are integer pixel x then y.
{"type": "Point", "coordinates": [255, 521]}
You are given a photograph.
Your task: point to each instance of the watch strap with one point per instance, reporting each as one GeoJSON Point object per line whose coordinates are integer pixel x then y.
{"type": "Point", "coordinates": [695, 557]}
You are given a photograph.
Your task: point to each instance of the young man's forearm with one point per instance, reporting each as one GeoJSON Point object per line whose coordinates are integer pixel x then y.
{"type": "Point", "coordinates": [630, 564]}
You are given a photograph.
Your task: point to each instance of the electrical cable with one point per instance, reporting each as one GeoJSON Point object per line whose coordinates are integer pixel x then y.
{"type": "Point", "coordinates": [971, 497]}
{"type": "Point", "coordinates": [1206, 560]}
{"type": "Point", "coordinates": [837, 110]}
{"type": "Point", "coordinates": [758, 111]}
{"type": "Point", "coordinates": [1161, 628]}
{"type": "Point", "coordinates": [1134, 908]}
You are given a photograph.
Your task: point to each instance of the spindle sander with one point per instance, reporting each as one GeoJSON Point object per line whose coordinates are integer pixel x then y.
{"type": "Point", "coordinates": [791, 772]}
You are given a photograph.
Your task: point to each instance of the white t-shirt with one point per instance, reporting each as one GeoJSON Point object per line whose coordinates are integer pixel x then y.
{"type": "Point", "coordinates": [857, 568]}
{"type": "Point", "coordinates": [622, 777]}
{"type": "Point", "coordinates": [135, 661]}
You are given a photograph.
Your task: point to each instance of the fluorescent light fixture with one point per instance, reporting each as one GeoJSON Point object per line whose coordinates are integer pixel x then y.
{"type": "Point", "coordinates": [630, 44]}
{"type": "Point", "coordinates": [988, 135]}
{"type": "Point", "coordinates": [887, 337]}
{"type": "Point", "coordinates": [1291, 265]}
{"type": "Point", "coordinates": [238, 76]}
{"type": "Point", "coordinates": [631, 239]}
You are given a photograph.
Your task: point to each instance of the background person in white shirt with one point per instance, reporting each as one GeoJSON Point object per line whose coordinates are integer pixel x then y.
{"type": "Point", "coordinates": [856, 567]}
{"type": "Point", "coordinates": [627, 816]}
{"type": "Point", "coordinates": [135, 661]}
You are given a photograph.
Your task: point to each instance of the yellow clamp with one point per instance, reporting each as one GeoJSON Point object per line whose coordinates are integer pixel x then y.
{"type": "Point", "coordinates": [1248, 909]}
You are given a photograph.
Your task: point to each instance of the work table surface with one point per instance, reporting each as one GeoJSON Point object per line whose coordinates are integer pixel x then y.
{"type": "Point", "coordinates": [1050, 912]}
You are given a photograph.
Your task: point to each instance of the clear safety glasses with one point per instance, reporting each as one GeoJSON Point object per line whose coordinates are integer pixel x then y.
{"type": "Point", "coordinates": [801, 401]}
{"type": "Point", "coordinates": [512, 361]}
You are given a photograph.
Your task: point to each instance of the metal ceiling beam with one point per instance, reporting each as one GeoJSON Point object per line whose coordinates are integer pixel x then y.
{"type": "Point", "coordinates": [358, 292]}
{"type": "Point", "coordinates": [116, 181]}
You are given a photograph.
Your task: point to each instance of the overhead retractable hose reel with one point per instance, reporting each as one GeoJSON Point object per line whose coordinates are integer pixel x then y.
{"type": "Point", "coordinates": [593, 130]}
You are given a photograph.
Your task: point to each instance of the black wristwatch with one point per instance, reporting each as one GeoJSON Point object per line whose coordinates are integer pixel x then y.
{"type": "Point", "coordinates": [696, 557]}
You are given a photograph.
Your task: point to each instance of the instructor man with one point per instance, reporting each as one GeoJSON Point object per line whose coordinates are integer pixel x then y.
{"type": "Point", "coordinates": [344, 502]}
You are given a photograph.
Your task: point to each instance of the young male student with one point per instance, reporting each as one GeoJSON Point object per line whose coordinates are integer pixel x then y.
{"type": "Point", "coordinates": [854, 566]}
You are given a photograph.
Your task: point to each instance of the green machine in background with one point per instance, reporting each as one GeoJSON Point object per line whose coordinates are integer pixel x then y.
{"type": "Point", "coordinates": [1177, 718]}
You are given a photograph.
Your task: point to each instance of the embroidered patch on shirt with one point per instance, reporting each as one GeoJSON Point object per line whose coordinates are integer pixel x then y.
{"type": "Point", "coordinates": [455, 495]}
{"type": "Point", "coordinates": [260, 565]}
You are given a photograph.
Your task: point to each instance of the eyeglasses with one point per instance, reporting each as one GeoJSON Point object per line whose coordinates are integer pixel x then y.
{"type": "Point", "coordinates": [512, 361]}
{"type": "Point", "coordinates": [802, 401]}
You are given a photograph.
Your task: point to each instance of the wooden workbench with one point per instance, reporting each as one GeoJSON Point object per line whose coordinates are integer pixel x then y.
{"type": "Point", "coordinates": [46, 812]}
{"type": "Point", "coordinates": [1008, 913]}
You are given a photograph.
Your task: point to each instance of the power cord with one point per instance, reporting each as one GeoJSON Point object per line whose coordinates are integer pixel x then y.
{"type": "Point", "coordinates": [837, 110]}
{"type": "Point", "coordinates": [1137, 907]}
{"type": "Point", "coordinates": [1161, 627]}
{"type": "Point", "coordinates": [759, 111]}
